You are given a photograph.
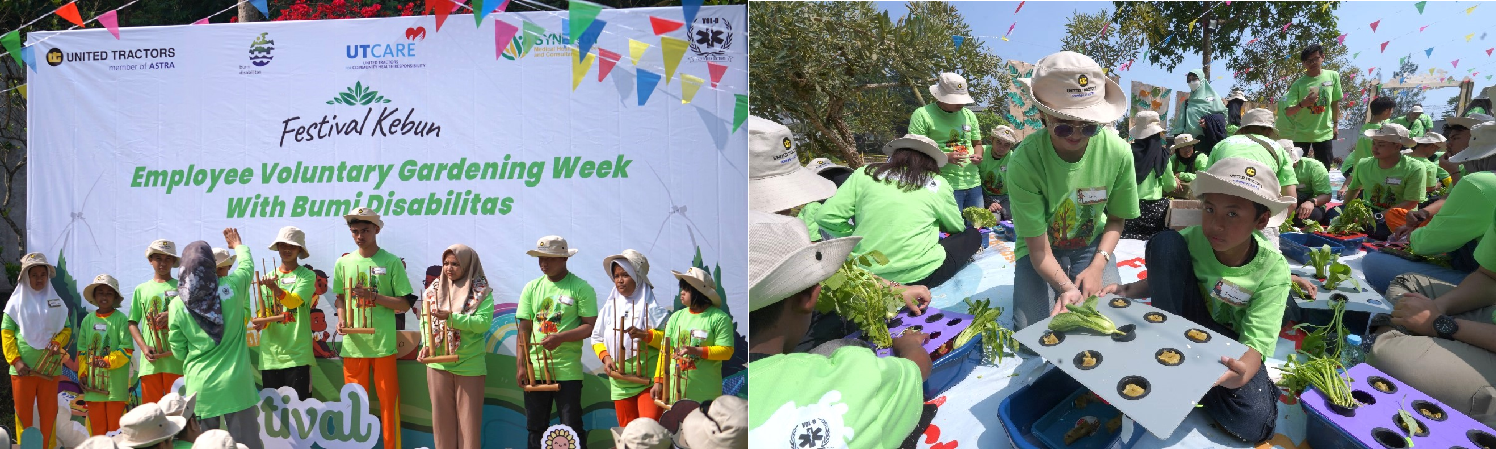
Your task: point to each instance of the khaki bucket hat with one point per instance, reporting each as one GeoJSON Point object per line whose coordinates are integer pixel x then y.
{"type": "Point", "coordinates": [950, 88]}
{"type": "Point", "coordinates": [35, 259]}
{"type": "Point", "coordinates": [552, 246]}
{"type": "Point", "coordinates": [702, 282]}
{"type": "Point", "coordinates": [1482, 144]}
{"type": "Point", "coordinates": [918, 143]}
{"type": "Point", "coordinates": [365, 214]}
{"type": "Point", "coordinates": [224, 258]}
{"type": "Point", "coordinates": [642, 433]}
{"type": "Point", "coordinates": [147, 425]}
{"type": "Point", "coordinates": [635, 258]}
{"type": "Point", "coordinates": [291, 235]}
{"type": "Point", "coordinates": [1004, 133]}
{"type": "Point", "coordinates": [722, 424]}
{"type": "Point", "coordinates": [1469, 120]}
{"type": "Point", "coordinates": [1391, 132]}
{"type": "Point", "coordinates": [776, 181]}
{"type": "Point", "coordinates": [1244, 178]}
{"type": "Point", "coordinates": [163, 247]}
{"type": "Point", "coordinates": [1145, 124]}
{"type": "Point", "coordinates": [782, 261]}
{"type": "Point", "coordinates": [1072, 86]}
{"type": "Point", "coordinates": [1184, 140]}
{"type": "Point", "coordinates": [217, 439]}
{"type": "Point", "coordinates": [102, 279]}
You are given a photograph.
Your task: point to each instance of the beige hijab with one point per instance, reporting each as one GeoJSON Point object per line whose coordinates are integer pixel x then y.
{"type": "Point", "coordinates": [462, 295]}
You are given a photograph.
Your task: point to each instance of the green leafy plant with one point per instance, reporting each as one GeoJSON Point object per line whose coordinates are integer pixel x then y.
{"type": "Point", "coordinates": [862, 297]}
{"type": "Point", "coordinates": [1339, 273]}
{"type": "Point", "coordinates": [996, 339]}
{"type": "Point", "coordinates": [1312, 226]}
{"type": "Point", "coordinates": [1317, 341]}
{"type": "Point", "coordinates": [1321, 258]}
{"type": "Point", "coordinates": [1083, 316]}
{"type": "Point", "coordinates": [1408, 424]}
{"type": "Point", "coordinates": [358, 95]}
{"type": "Point", "coordinates": [1355, 217]}
{"type": "Point", "coordinates": [1287, 225]}
{"type": "Point", "coordinates": [1322, 373]}
{"type": "Point", "coordinates": [979, 217]}
{"type": "Point", "coordinates": [1299, 291]}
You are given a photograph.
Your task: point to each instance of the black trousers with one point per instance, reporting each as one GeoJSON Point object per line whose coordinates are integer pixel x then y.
{"type": "Point", "coordinates": [1323, 151]}
{"type": "Point", "coordinates": [299, 378]}
{"type": "Point", "coordinates": [958, 251]}
{"type": "Point", "coordinates": [568, 403]}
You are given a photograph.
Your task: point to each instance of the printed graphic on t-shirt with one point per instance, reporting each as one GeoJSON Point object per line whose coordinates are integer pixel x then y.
{"type": "Point", "coordinates": [993, 184]}
{"type": "Point", "coordinates": [1072, 225]}
{"type": "Point", "coordinates": [954, 143]}
{"type": "Point", "coordinates": [821, 425]}
{"type": "Point", "coordinates": [1383, 196]}
{"type": "Point", "coordinates": [551, 311]}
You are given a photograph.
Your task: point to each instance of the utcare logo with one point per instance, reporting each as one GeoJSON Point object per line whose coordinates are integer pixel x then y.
{"type": "Point", "coordinates": [260, 50]}
{"type": "Point", "coordinates": [148, 58]}
{"type": "Point", "coordinates": [547, 45]}
{"type": "Point", "coordinates": [711, 38]}
{"type": "Point", "coordinates": [387, 121]}
{"type": "Point", "coordinates": [397, 54]}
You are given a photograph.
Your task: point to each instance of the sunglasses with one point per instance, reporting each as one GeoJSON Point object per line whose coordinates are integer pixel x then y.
{"type": "Point", "coordinates": [1064, 129]}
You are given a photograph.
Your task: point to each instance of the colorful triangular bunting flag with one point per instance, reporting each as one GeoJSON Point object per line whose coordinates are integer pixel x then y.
{"type": "Point", "coordinates": [958, 40]}
{"type": "Point", "coordinates": [672, 50]}
{"type": "Point", "coordinates": [29, 56]}
{"type": "Point", "coordinates": [716, 71]}
{"type": "Point", "coordinates": [636, 50]}
{"type": "Point", "coordinates": [1420, 29]}
{"type": "Point", "coordinates": [1020, 7]}
{"type": "Point", "coordinates": [581, 14]}
{"type": "Point", "coordinates": [739, 112]}
{"type": "Point", "coordinates": [1455, 63]}
{"type": "Point", "coordinates": [1470, 36]}
{"type": "Point", "coordinates": [442, 10]}
{"type": "Point", "coordinates": [202, 21]}
{"type": "Point", "coordinates": [1429, 51]}
{"type": "Point", "coordinates": [590, 36]}
{"type": "Point", "coordinates": [1340, 40]}
{"type": "Point", "coordinates": [689, 84]}
{"type": "Point", "coordinates": [22, 88]}
{"type": "Point", "coordinates": [662, 26]}
{"type": "Point", "coordinates": [1420, 6]}
{"type": "Point", "coordinates": [533, 35]}
{"type": "Point", "coordinates": [688, 9]}
{"type": "Point", "coordinates": [579, 69]}
{"type": "Point", "coordinates": [263, 6]}
{"type": "Point", "coordinates": [605, 63]}
{"type": "Point", "coordinates": [1374, 25]}
{"type": "Point", "coordinates": [647, 82]}
{"type": "Point", "coordinates": [1470, 9]}
{"type": "Point", "coordinates": [110, 21]}
{"type": "Point", "coordinates": [12, 43]}
{"type": "Point", "coordinates": [70, 13]}
{"type": "Point", "coordinates": [503, 37]}
{"type": "Point", "coordinates": [1384, 46]}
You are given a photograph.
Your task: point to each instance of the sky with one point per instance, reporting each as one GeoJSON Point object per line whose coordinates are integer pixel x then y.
{"type": "Point", "coordinates": [1041, 26]}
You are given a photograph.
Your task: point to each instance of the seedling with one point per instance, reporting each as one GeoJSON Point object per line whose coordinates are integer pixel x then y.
{"type": "Point", "coordinates": [996, 339]}
{"type": "Point", "coordinates": [1287, 225]}
{"type": "Point", "coordinates": [860, 296]}
{"type": "Point", "coordinates": [1321, 258]}
{"type": "Point", "coordinates": [1355, 217]}
{"type": "Point", "coordinates": [1322, 373]}
{"type": "Point", "coordinates": [1084, 316]}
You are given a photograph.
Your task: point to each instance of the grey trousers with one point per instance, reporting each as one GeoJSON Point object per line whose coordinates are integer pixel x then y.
{"type": "Point", "coordinates": [243, 425]}
{"type": "Point", "coordinates": [1454, 372]}
{"type": "Point", "coordinates": [1033, 298]}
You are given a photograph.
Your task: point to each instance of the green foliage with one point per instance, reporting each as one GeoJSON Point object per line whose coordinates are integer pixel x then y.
{"type": "Point", "coordinates": [1339, 273]}
{"type": "Point", "coordinates": [1321, 258]}
{"type": "Point", "coordinates": [1322, 373]}
{"type": "Point", "coordinates": [996, 339]}
{"type": "Point", "coordinates": [1311, 227]}
{"type": "Point", "coordinates": [1083, 34]}
{"type": "Point", "coordinates": [1156, 21]}
{"type": "Point", "coordinates": [1355, 217]}
{"type": "Point", "coordinates": [1317, 342]}
{"type": "Point", "coordinates": [1287, 225]}
{"type": "Point", "coordinates": [862, 297]}
{"type": "Point", "coordinates": [979, 217]}
{"type": "Point", "coordinates": [1083, 316]}
{"type": "Point", "coordinates": [358, 95]}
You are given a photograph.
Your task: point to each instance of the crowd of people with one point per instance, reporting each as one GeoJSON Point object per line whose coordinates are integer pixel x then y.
{"type": "Point", "coordinates": [193, 326]}
{"type": "Point", "coordinates": [1073, 190]}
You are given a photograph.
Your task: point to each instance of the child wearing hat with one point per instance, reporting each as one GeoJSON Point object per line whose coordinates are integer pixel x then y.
{"type": "Point", "coordinates": [630, 306]}
{"type": "Point", "coordinates": [1224, 275]}
{"type": "Point", "coordinates": [147, 426]}
{"type": "Point", "coordinates": [1313, 190]}
{"type": "Point", "coordinates": [878, 399]}
{"type": "Point", "coordinates": [700, 338]}
{"type": "Point", "coordinates": [208, 327]}
{"type": "Point", "coordinates": [556, 312]}
{"type": "Point", "coordinates": [35, 324]}
{"type": "Point", "coordinates": [1153, 175]}
{"type": "Point", "coordinates": [460, 301]}
{"type": "Point", "coordinates": [286, 346]}
{"type": "Point", "coordinates": [956, 132]}
{"type": "Point", "coordinates": [174, 404]}
{"type": "Point", "coordinates": [995, 169]}
{"type": "Point", "coordinates": [1256, 140]}
{"type": "Point", "coordinates": [379, 277]}
{"type": "Point", "coordinates": [1390, 179]}
{"type": "Point", "coordinates": [1381, 113]}
{"type": "Point", "coordinates": [106, 337]}
{"type": "Point", "coordinates": [1072, 186]}
{"type": "Point", "coordinates": [1186, 161]}
{"type": "Point", "coordinates": [148, 306]}
{"type": "Point", "coordinates": [776, 182]}
{"type": "Point", "coordinates": [1424, 149]}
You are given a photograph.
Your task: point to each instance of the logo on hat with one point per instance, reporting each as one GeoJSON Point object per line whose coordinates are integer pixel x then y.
{"type": "Point", "coordinates": [1083, 80]}
{"type": "Point", "coordinates": [960, 86]}
{"type": "Point", "coordinates": [1251, 171]}
{"type": "Point", "coordinates": [786, 143]}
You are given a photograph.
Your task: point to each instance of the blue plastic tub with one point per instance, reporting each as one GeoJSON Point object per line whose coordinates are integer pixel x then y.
{"type": "Point", "coordinates": [953, 368]}
{"type": "Point", "coordinates": [1029, 405]}
{"type": "Point", "coordinates": [1349, 246]}
{"type": "Point", "coordinates": [1296, 246]}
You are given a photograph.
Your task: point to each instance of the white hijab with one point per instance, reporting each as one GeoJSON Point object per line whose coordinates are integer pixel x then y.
{"type": "Point", "coordinates": [39, 313]}
{"type": "Point", "coordinates": [640, 310]}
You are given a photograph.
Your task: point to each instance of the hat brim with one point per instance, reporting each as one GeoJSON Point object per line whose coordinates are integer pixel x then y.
{"type": "Point", "coordinates": [229, 262]}
{"type": "Point", "coordinates": [1206, 182]}
{"type": "Point", "coordinates": [949, 98]}
{"type": "Point", "coordinates": [89, 290]}
{"type": "Point", "coordinates": [149, 252]}
{"type": "Point", "coordinates": [302, 255]}
{"type": "Point", "coordinates": [378, 223]}
{"type": "Point", "coordinates": [1468, 122]}
{"type": "Point", "coordinates": [709, 291]}
{"type": "Point", "coordinates": [1146, 131]}
{"type": "Point", "coordinates": [51, 270]}
{"type": "Point", "coordinates": [1189, 143]}
{"type": "Point", "coordinates": [173, 427]}
{"type": "Point", "coordinates": [608, 268]}
{"type": "Point", "coordinates": [917, 145]}
{"type": "Point", "coordinates": [1400, 140]}
{"type": "Point", "coordinates": [537, 253]}
{"type": "Point", "coordinates": [1112, 107]}
{"type": "Point", "coordinates": [802, 269]}
{"type": "Point", "coordinates": [1473, 153]}
{"type": "Point", "coordinates": [783, 192]}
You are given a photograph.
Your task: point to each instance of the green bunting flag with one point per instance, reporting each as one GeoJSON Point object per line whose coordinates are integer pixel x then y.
{"type": "Point", "coordinates": [581, 15]}
{"type": "Point", "coordinates": [12, 42]}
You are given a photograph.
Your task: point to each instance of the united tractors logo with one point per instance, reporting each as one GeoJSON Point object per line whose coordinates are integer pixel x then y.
{"type": "Point", "coordinates": [711, 38]}
{"type": "Point", "coordinates": [259, 50]}
{"type": "Point", "coordinates": [54, 57]}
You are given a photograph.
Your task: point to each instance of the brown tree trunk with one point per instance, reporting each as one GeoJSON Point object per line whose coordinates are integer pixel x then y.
{"type": "Point", "coordinates": [1205, 50]}
{"type": "Point", "coordinates": [248, 13]}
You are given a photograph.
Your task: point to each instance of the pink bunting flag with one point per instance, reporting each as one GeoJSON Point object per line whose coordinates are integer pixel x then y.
{"type": "Point", "coordinates": [716, 70]}
{"type": "Point", "coordinates": [1488, 51]}
{"type": "Point", "coordinates": [503, 35]}
{"type": "Point", "coordinates": [1253, 41]}
{"type": "Point", "coordinates": [456, 4]}
{"type": "Point", "coordinates": [1020, 7]}
{"type": "Point", "coordinates": [1228, 2]}
{"type": "Point", "coordinates": [1420, 29]}
{"type": "Point", "coordinates": [1105, 27]}
{"type": "Point", "coordinates": [110, 20]}
{"type": "Point", "coordinates": [1340, 40]}
{"type": "Point", "coordinates": [202, 21]}
{"type": "Point", "coordinates": [1384, 46]}
{"type": "Point", "coordinates": [1285, 26]}
{"type": "Point", "coordinates": [1374, 25]}
{"type": "Point", "coordinates": [1368, 72]}
{"type": "Point", "coordinates": [1455, 63]}
{"type": "Point", "coordinates": [1010, 29]}
{"type": "Point", "coordinates": [605, 63]}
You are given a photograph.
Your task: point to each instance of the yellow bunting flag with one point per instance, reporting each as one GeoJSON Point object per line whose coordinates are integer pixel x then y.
{"type": "Point", "coordinates": [673, 50]}
{"type": "Point", "coordinates": [636, 50]}
{"type": "Point", "coordinates": [1470, 9]}
{"type": "Point", "coordinates": [1192, 25]}
{"type": "Point", "coordinates": [688, 87]}
{"type": "Point", "coordinates": [23, 90]}
{"type": "Point", "coordinates": [1005, 38]}
{"type": "Point", "coordinates": [579, 68]}
{"type": "Point", "coordinates": [1469, 36]}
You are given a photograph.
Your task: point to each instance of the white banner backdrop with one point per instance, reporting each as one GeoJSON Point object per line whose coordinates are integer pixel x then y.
{"type": "Point", "coordinates": [179, 132]}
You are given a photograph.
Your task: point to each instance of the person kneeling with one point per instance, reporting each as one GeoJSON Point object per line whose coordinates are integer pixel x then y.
{"type": "Point", "coordinates": [1226, 277]}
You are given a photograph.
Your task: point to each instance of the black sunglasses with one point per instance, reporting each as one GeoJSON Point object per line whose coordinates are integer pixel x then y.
{"type": "Point", "coordinates": [1064, 129]}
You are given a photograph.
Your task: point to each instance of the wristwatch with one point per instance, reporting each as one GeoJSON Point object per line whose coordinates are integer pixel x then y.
{"type": "Point", "coordinates": [1445, 327]}
{"type": "Point", "coordinates": [1106, 254]}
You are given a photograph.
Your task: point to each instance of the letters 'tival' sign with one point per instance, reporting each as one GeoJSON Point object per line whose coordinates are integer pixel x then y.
{"type": "Point", "coordinates": [288, 422]}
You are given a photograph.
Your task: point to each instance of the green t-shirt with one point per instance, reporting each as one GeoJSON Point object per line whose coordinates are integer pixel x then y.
{"type": "Point", "coordinates": [1070, 202]}
{"type": "Point", "coordinates": [288, 345]}
{"type": "Point", "coordinates": [1485, 252]}
{"type": "Point", "coordinates": [389, 279]}
{"type": "Point", "coordinates": [1313, 124]}
{"type": "Point", "coordinates": [1416, 128]}
{"type": "Point", "coordinates": [29, 355]}
{"type": "Point", "coordinates": [712, 327]}
{"type": "Point", "coordinates": [163, 293]}
{"type": "Point", "coordinates": [1466, 216]}
{"type": "Point", "coordinates": [1250, 298]}
{"type": "Point", "coordinates": [953, 131]}
{"type": "Point", "coordinates": [220, 370]}
{"type": "Point", "coordinates": [904, 226]}
{"type": "Point", "coordinates": [471, 347]}
{"type": "Point", "coordinates": [1363, 146]}
{"type": "Point", "coordinates": [1248, 148]}
{"type": "Point", "coordinates": [107, 335]}
{"type": "Point", "coordinates": [557, 307]}
{"type": "Point", "coordinates": [808, 214]}
{"type": "Point", "coordinates": [1154, 186]}
{"type": "Point", "coordinates": [1383, 188]}
{"type": "Point", "coordinates": [994, 174]}
{"type": "Point", "coordinates": [852, 399]}
{"type": "Point", "coordinates": [1430, 172]}
{"type": "Point", "coordinates": [1186, 172]}
{"type": "Point", "coordinates": [1313, 177]}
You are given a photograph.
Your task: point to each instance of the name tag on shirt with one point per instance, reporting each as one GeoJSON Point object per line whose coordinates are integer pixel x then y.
{"type": "Point", "coordinates": [1003, 168]}
{"type": "Point", "coordinates": [379, 271]}
{"type": "Point", "coordinates": [288, 280]}
{"type": "Point", "coordinates": [171, 293]}
{"type": "Point", "coordinates": [101, 327]}
{"type": "Point", "coordinates": [698, 333]}
{"type": "Point", "coordinates": [54, 302]}
{"type": "Point", "coordinates": [1394, 181]}
{"type": "Point", "coordinates": [564, 300]}
{"type": "Point", "coordinates": [1230, 293]}
{"type": "Point", "coordinates": [1090, 196]}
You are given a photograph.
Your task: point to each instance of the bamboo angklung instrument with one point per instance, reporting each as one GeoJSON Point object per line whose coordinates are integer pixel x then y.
{"type": "Point", "coordinates": [97, 380]}
{"type": "Point", "coordinates": [671, 380]}
{"type": "Point", "coordinates": [158, 334]}
{"type": "Point", "coordinates": [440, 338]}
{"type": "Point", "coordinates": [266, 311]}
{"type": "Point", "coordinates": [357, 319]}
{"type": "Point", "coordinates": [629, 369]}
{"type": "Point", "coordinates": [547, 381]}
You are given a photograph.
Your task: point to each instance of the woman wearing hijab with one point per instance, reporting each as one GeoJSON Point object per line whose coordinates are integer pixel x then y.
{"type": "Point", "coordinates": [1151, 170]}
{"type": "Point", "coordinates": [36, 322]}
{"type": "Point", "coordinates": [1203, 115]}
{"type": "Point", "coordinates": [1236, 103]}
{"type": "Point", "coordinates": [631, 306]}
{"type": "Point", "coordinates": [460, 300]}
{"type": "Point", "coordinates": [208, 331]}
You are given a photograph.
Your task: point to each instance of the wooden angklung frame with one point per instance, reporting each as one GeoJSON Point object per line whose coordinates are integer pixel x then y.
{"type": "Point", "coordinates": [158, 334]}
{"type": "Point", "coordinates": [436, 334]}
{"type": "Point", "coordinates": [541, 372]}
{"type": "Point", "coordinates": [267, 310]}
{"type": "Point", "coordinates": [94, 378]}
{"type": "Point", "coordinates": [629, 369]}
{"type": "Point", "coordinates": [358, 313]}
{"type": "Point", "coordinates": [673, 380]}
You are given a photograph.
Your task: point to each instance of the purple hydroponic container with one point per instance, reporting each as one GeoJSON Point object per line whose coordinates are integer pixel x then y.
{"type": "Point", "coordinates": [941, 326]}
{"type": "Point", "coordinates": [1375, 425]}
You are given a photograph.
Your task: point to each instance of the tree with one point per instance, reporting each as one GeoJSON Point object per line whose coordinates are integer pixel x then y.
{"type": "Point", "coordinates": [1221, 30]}
{"type": "Point", "coordinates": [1406, 98]}
{"type": "Point", "coordinates": [1094, 35]}
{"type": "Point", "coordinates": [843, 73]}
{"type": "Point", "coordinates": [1265, 72]}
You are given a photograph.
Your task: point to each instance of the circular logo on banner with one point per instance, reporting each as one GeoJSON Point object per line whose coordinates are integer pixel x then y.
{"type": "Point", "coordinates": [260, 49]}
{"type": "Point", "coordinates": [54, 57]}
{"type": "Point", "coordinates": [559, 437]}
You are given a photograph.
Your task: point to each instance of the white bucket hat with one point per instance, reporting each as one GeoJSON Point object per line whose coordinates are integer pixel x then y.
{"type": "Point", "coordinates": [635, 258]}
{"type": "Point", "coordinates": [552, 246]}
{"type": "Point", "coordinates": [918, 143]}
{"type": "Point", "coordinates": [1417, 108]}
{"type": "Point", "coordinates": [1390, 132]}
{"type": "Point", "coordinates": [98, 442]}
{"type": "Point", "coordinates": [1294, 154]}
{"type": "Point", "coordinates": [224, 258]}
{"type": "Point", "coordinates": [102, 279]}
{"type": "Point", "coordinates": [365, 214]}
{"type": "Point", "coordinates": [217, 439]}
{"type": "Point", "coordinates": [782, 261]}
{"type": "Point", "coordinates": [1469, 120]}
{"type": "Point", "coordinates": [776, 181]}
{"type": "Point", "coordinates": [1184, 140]}
{"type": "Point", "coordinates": [1430, 138]}
{"type": "Point", "coordinates": [1071, 86]}
{"type": "Point", "coordinates": [702, 282]}
{"type": "Point", "coordinates": [163, 247]}
{"type": "Point", "coordinates": [173, 404]}
{"type": "Point", "coordinates": [147, 425]}
{"type": "Point", "coordinates": [1236, 94]}
{"type": "Point", "coordinates": [1244, 178]}
{"type": "Point", "coordinates": [1145, 124]}
{"type": "Point", "coordinates": [35, 259]}
{"type": "Point", "coordinates": [642, 433]}
{"type": "Point", "coordinates": [1259, 117]}
{"type": "Point", "coordinates": [1482, 144]}
{"type": "Point", "coordinates": [1004, 133]}
{"type": "Point", "coordinates": [291, 235]}
{"type": "Point", "coordinates": [821, 166]}
{"type": "Point", "coordinates": [1288, 147]}
{"type": "Point", "coordinates": [950, 88]}
{"type": "Point", "coordinates": [724, 425]}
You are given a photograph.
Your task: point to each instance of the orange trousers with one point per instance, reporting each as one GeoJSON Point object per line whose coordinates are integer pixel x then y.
{"type": "Point", "coordinates": [103, 417]}
{"type": "Point", "coordinates": [29, 390]}
{"type": "Point", "coordinates": [155, 386]}
{"type": "Point", "coordinates": [641, 405]}
{"type": "Point", "coordinates": [387, 381]}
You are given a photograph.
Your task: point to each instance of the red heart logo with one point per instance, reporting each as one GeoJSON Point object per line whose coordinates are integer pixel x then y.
{"type": "Point", "coordinates": [413, 33]}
